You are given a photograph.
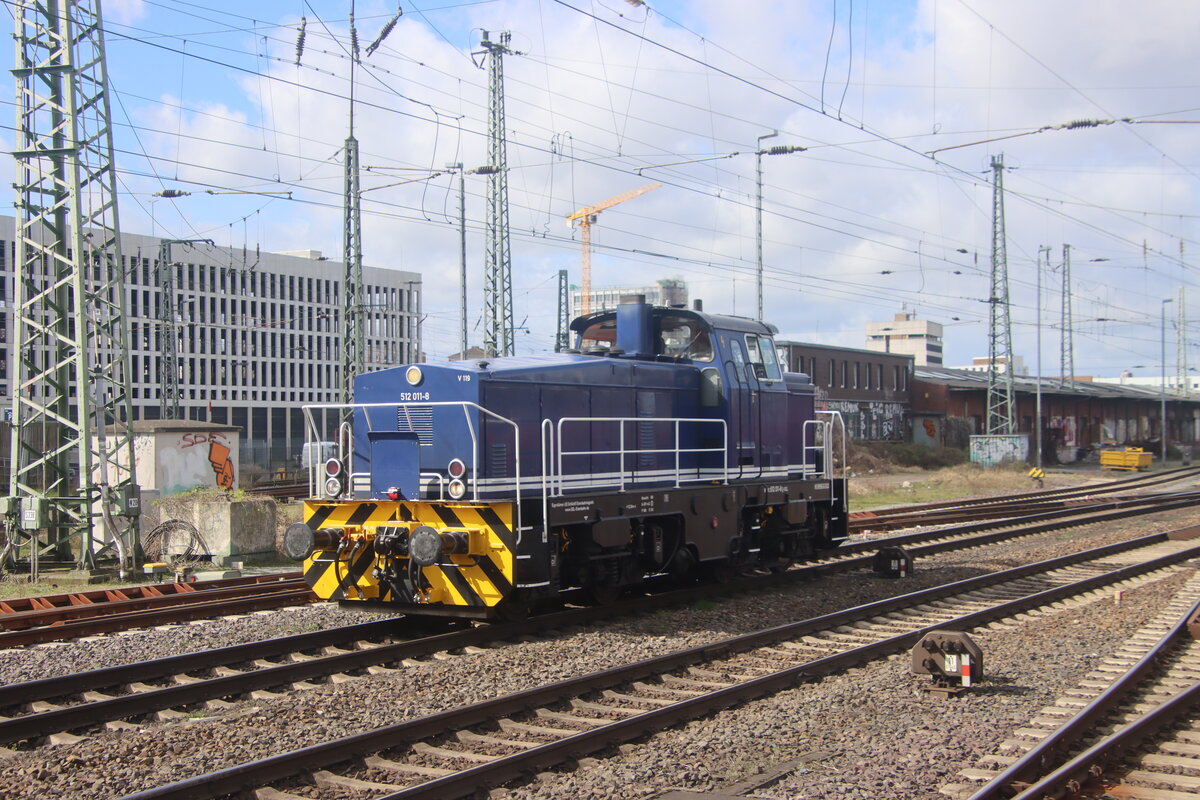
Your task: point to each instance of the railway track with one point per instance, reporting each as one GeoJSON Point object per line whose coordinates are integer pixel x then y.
{"type": "Point", "coordinates": [26, 621]}
{"type": "Point", "coordinates": [1005, 505]}
{"type": "Point", "coordinates": [59, 709]}
{"type": "Point", "coordinates": [457, 752]}
{"type": "Point", "coordinates": [235, 596]}
{"type": "Point", "coordinates": [68, 616]}
{"type": "Point", "coordinates": [1145, 693]}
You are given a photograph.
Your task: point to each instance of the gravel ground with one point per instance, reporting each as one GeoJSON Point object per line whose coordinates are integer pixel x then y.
{"type": "Point", "coordinates": [871, 732]}
{"type": "Point", "coordinates": [877, 708]}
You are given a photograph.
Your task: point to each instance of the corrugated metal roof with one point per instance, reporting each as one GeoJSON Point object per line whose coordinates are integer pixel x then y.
{"type": "Point", "coordinates": [969, 380]}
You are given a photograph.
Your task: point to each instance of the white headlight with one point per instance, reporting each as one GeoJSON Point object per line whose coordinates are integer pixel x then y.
{"type": "Point", "coordinates": [414, 376]}
{"type": "Point", "coordinates": [457, 489]}
{"type": "Point", "coordinates": [333, 487]}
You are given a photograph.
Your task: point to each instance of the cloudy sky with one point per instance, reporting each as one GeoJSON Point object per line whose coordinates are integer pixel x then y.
{"type": "Point", "coordinates": [902, 107]}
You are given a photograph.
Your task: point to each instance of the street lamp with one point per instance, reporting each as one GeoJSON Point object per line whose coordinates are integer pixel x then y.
{"type": "Point", "coordinates": [1163, 388]}
{"type": "Point", "coordinates": [778, 150]}
{"type": "Point", "coordinates": [462, 242]}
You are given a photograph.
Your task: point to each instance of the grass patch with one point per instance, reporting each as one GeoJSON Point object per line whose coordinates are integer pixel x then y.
{"type": "Point", "coordinates": [949, 483]}
{"type": "Point", "coordinates": [15, 585]}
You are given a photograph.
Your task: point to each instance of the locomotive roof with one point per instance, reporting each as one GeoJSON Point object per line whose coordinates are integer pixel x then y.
{"type": "Point", "coordinates": [722, 321]}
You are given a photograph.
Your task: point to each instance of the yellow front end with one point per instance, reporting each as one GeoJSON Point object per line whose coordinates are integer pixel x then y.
{"type": "Point", "coordinates": [478, 572]}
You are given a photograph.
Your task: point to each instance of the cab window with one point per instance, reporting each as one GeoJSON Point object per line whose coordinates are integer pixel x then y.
{"type": "Point", "coordinates": [762, 357]}
{"type": "Point", "coordinates": [684, 337]}
{"type": "Point", "coordinates": [740, 370]}
{"type": "Point", "coordinates": [599, 336]}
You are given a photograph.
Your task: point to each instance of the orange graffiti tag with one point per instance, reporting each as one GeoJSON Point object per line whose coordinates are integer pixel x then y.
{"type": "Point", "coordinates": [930, 429]}
{"type": "Point", "coordinates": [218, 456]}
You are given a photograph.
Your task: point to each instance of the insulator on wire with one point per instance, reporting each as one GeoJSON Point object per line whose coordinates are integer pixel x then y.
{"type": "Point", "coordinates": [300, 40]}
{"type": "Point", "coordinates": [353, 39]}
{"type": "Point", "coordinates": [387, 29]}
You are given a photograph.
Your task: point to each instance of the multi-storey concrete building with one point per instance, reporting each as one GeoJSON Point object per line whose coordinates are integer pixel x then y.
{"type": "Point", "coordinates": [258, 335]}
{"type": "Point", "coordinates": [669, 292]}
{"type": "Point", "coordinates": [918, 338]}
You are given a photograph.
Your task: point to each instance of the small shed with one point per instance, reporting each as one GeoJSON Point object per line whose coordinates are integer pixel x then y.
{"type": "Point", "coordinates": [174, 455]}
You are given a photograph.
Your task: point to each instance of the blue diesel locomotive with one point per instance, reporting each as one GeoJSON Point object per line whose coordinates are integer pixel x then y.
{"type": "Point", "coordinates": [668, 441]}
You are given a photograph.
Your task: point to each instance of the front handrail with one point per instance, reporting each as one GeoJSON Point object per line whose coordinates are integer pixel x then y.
{"type": "Point", "coordinates": [558, 452]}
{"type": "Point", "coordinates": [312, 434]}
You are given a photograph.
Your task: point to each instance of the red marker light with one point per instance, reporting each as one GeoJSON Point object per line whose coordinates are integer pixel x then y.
{"type": "Point", "coordinates": [393, 493]}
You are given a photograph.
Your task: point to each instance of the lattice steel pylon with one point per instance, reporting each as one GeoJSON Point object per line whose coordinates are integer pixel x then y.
{"type": "Point", "coordinates": [1000, 410]}
{"type": "Point", "coordinates": [562, 336]}
{"type": "Point", "coordinates": [1067, 357]}
{"type": "Point", "coordinates": [497, 269]}
{"type": "Point", "coordinates": [168, 329]}
{"type": "Point", "coordinates": [71, 403]}
{"type": "Point", "coordinates": [354, 338]}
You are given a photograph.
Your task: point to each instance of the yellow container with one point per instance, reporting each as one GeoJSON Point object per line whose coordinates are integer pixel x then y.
{"type": "Point", "coordinates": [1131, 458]}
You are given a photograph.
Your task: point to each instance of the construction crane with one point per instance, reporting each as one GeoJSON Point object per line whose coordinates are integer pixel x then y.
{"type": "Point", "coordinates": [587, 218]}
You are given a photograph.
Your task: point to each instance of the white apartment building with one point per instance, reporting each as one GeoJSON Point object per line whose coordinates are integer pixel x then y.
{"type": "Point", "coordinates": [259, 334]}
{"type": "Point", "coordinates": [907, 335]}
{"type": "Point", "coordinates": [669, 292]}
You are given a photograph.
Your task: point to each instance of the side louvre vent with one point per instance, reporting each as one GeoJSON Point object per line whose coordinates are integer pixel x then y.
{"type": "Point", "coordinates": [498, 461]}
{"type": "Point", "coordinates": [418, 420]}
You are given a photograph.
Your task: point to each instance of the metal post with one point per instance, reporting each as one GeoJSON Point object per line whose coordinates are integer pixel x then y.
{"type": "Point", "coordinates": [170, 392]}
{"type": "Point", "coordinates": [1162, 414]}
{"type": "Point", "coordinates": [1067, 355]}
{"type": "Point", "coordinates": [758, 234]}
{"type": "Point", "coordinates": [1037, 421]}
{"type": "Point", "coordinates": [562, 338]}
{"type": "Point", "coordinates": [462, 263]}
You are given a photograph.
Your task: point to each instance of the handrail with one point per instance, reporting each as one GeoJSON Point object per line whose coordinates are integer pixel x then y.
{"type": "Point", "coordinates": [558, 453]}
{"type": "Point", "coordinates": [313, 434]}
{"type": "Point", "coordinates": [838, 423]}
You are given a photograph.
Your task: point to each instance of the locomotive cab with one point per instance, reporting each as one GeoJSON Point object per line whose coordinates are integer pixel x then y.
{"type": "Point", "coordinates": [739, 375]}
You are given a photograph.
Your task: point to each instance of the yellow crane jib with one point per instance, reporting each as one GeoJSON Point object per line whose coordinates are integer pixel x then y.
{"type": "Point", "coordinates": [587, 217]}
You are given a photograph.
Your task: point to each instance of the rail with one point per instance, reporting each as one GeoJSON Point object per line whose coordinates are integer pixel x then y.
{"type": "Point", "coordinates": [1031, 776]}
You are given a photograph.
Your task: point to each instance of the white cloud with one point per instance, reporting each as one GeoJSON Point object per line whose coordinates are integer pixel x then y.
{"type": "Point", "coordinates": [588, 104]}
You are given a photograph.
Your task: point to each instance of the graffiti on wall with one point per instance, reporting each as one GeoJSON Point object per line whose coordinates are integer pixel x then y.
{"type": "Point", "coordinates": [991, 451]}
{"type": "Point", "coordinates": [876, 419]}
{"type": "Point", "coordinates": [218, 456]}
{"type": "Point", "coordinates": [197, 459]}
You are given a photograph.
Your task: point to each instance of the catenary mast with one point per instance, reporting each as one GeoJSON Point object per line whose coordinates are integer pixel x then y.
{"type": "Point", "coordinates": [1000, 382]}
{"type": "Point", "coordinates": [73, 491]}
{"type": "Point", "coordinates": [497, 268]}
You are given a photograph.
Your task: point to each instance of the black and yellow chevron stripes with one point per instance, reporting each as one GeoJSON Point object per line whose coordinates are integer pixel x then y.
{"type": "Point", "coordinates": [481, 577]}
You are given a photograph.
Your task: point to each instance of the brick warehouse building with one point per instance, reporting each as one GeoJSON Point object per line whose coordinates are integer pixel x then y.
{"type": "Point", "coordinates": [948, 404]}
{"type": "Point", "coordinates": [870, 389]}
{"type": "Point", "coordinates": [259, 335]}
